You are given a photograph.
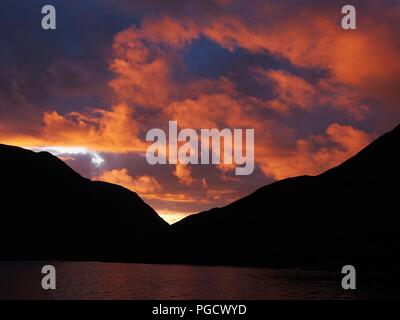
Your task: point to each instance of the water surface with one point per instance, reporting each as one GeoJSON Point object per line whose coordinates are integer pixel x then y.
{"type": "Point", "coordinates": [92, 280]}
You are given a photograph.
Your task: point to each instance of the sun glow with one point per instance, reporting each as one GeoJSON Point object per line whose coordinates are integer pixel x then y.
{"type": "Point", "coordinates": [172, 216]}
{"type": "Point", "coordinates": [60, 151]}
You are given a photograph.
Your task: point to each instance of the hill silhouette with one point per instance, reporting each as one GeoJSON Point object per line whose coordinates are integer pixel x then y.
{"type": "Point", "coordinates": [48, 211]}
{"type": "Point", "coordinates": [346, 215]}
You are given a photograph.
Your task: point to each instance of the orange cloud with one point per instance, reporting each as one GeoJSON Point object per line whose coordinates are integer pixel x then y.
{"type": "Point", "coordinates": [184, 174]}
{"type": "Point", "coordinates": [216, 103]}
{"type": "Point", "coordinates": [146, 186]}
{"type": "Point", "coordinates": [365, 59]}
{"type": "Point", "coordinates": [112, 130]}
{"type": "Point", "coordinates": [143, 185]}
{"type": "Point", "coordinates": [293, 92]}
{"type": "Point", "coordinates": [212, 110]}
{"type": "Point", "coordinates": [142, 63]}
{"type": "Point", "coordinates": [315, 154]}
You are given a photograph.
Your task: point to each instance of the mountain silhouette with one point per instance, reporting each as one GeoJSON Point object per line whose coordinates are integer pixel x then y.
{"type": "Point", "coordinates": [48, 211]}
{"type": "Point", "coordinates": [347, 215]}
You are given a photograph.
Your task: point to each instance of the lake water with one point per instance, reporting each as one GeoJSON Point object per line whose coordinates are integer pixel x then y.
{"type": "Point", "coordinates": [91, 280]}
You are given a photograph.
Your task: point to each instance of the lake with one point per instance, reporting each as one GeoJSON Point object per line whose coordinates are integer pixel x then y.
{"type": "Point", "coordinates": [92, 280]}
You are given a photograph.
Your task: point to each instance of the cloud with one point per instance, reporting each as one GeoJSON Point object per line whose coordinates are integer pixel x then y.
{"type": "Point", "coordinates": [142, 61]}
{"type": "Point", "coordinates": [100, 130]}
{"type": "Point", "coordinates": [184, 174]}
{"type": "Point", "coordinates": [149, 58]}
{"type": "Point", "coordinates": [291, 92]}
{"type": "Point", "coordinates": [143, 185]}
{"type": "Point", "coordinates": [309, 37]}
{"type": "Point", "coordinates": [67, 153]}
{"type": "Point", "coordinates": [316, 153]}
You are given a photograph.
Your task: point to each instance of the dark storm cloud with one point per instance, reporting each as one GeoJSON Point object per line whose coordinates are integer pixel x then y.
{"type": "Point", "coordinates": [65, 69]}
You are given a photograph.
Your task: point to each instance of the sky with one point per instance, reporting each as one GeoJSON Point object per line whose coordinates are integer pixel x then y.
{"type": "Point", "coordinates": [90, 90]}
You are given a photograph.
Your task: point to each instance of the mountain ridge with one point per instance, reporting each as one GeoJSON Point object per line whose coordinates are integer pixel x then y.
{"type": "Point", "coordinates": [344, 215]}
{"type": "Point", "coordinates": [302, 216]}
{"type": "Point", "coordinates": [67, 216]}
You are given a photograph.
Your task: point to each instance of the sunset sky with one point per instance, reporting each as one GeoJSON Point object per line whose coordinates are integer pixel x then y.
{"type": "Point", "coordinates": [90, 91]}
